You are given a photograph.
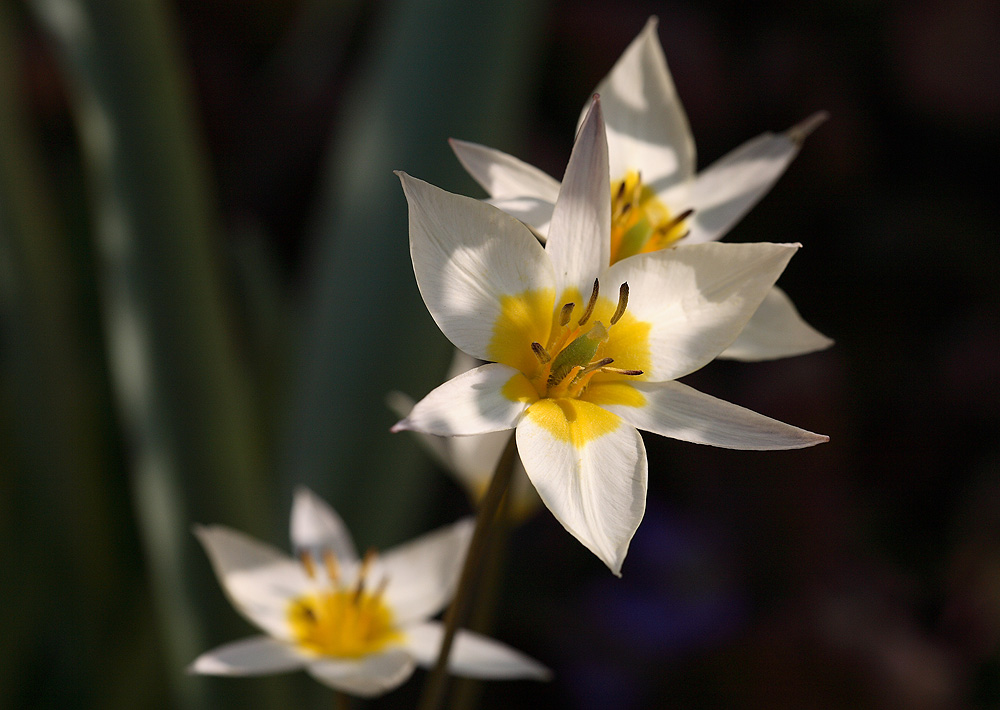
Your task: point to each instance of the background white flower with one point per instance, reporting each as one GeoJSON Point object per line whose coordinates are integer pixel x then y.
{"type": "Point", "coordinates": [659, 197]}
{"type": "Point", "coordinates": [356, 625]}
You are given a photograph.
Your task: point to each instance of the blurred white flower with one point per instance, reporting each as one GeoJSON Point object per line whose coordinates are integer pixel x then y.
{"type": "Point", "coordinates": [359, 626]}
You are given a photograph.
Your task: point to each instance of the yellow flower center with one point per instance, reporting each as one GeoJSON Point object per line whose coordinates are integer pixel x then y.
{"type": "Point", "coordinates": [563, 354]}
{"type": "Point", "coordinates": [343, 622]}
{"type": "Point", "coordinates": [640, 223]}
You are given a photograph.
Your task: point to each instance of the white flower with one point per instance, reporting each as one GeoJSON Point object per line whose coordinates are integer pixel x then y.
{"type": "Point", "coordinates": [581, 355]}
{"type": "Point", "coordinates": [359, 626]}
{"type": "Point", "coordinates": [658, 198]}
{"type": "Point", "coordinates": [473, 459]}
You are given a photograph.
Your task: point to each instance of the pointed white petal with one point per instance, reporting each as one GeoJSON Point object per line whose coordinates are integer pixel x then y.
{"type": "Point", "coordinates": [467, 256]}
{"type": "Point", "coordinates": [534, 212]}
{"type": "Point", "coordinates": [257, 655]}
{"type": "Point", "coordinates": [503, 175]}
{"type": "Point", "coordinates": [472, 655]}
{"type": "Point", "coordinates": [647, 129]}
{"type": "Point", "coordinates": [316, 527]}
{"type": "Point", "coordinates": [696, 298]}
{"type": "Point", "coordinates": [401, 405]}
{"type": "Point", "coordinates": [422, 573]}
{"type": "Point", "coordinates": [472, 403]}
{"type": "Point", "coordinates": [680, 412]}
{"type": "Point", "coordinates": [776, 330]}
{"type": "Point", "coordinates": [589, 468]}
{"type": "Point", "coordinates": [259, 580]}
{"type": "Point", "coordinates": [579, 236]}
{"type": "Point", "coordinates": [725, 191]}
{"type": "Point", "coordinates": [366, 677]}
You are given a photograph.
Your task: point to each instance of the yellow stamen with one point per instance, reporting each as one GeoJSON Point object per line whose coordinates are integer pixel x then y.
{"type": "Point", "coordinates": [306, 558]}
{"type": "Point", "coordinates": [339, 621]}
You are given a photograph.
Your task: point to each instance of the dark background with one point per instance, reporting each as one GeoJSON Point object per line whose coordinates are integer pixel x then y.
{"type": "Point", "coordinates": [863, 573]}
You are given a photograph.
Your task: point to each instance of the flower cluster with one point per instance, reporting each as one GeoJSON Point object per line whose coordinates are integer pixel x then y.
{"type": "Point", "coordinates": [576, 307]}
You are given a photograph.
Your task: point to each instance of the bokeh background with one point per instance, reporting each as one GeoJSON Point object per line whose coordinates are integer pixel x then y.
{"type": "Point", "coordinates": [205, 293]}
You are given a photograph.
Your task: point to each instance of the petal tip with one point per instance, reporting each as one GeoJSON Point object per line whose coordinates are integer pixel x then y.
{"type": "Point", "coordinates": [803, 129]}
{"type": "Point", "coordinates": [401, 425]}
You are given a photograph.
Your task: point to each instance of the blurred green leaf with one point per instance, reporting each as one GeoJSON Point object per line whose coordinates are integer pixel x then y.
{"type": "Point", "coordinates": [431, 70]}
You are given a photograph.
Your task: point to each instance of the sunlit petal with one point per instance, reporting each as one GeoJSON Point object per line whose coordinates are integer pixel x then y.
{"type": "Point", "coordinates": [258, 579]}
{"type": "Point", "coordinates": [316, 527]}
{"type": "Point", "coordinates": [503, 175]}
{"type": "Point", "coordinates": [647, 128]}
{"type": "Point", "coordinates": [776, 330]}
{"type": "Point", "coordinates": [422, 574]}
{"type": "Point", "coordinates": [472, 403]}
{"type": "Point", "coordinates": [697, 298]}
{"type": "Point", "coordinates": [473, 655]}
{"type": "Point", "coordinates": [680, 412]}
{"type": "Point", "coordinates": [725, 191]}
{"type": "Point", "coordinates": [578, 242]}
{"type": "Point", "coordinates": [589, 468]}
{"type": "Point", "coordinates": [366, 677]}
{"type": "Point", "coordinates": [257, 655]}
{"type": "Point", "coordinates": [467, 255]}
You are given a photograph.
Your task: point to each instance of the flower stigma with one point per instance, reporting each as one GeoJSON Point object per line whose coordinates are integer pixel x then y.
{"type": "Point", "coordinates": [337, 620]}
{"type": "Point", "coordinates": [640, 223]}
{"type": "Point", "coordinates": [574, 352]}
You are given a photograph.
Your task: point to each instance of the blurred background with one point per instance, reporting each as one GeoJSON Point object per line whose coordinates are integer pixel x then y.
{"type": "Point", "coordinates": [206, 292]}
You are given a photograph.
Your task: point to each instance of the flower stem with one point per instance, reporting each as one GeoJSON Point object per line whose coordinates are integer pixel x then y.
{"type": "Point", "coordinates": [488, 507]}
{"type": "Point", "coordinates": [341, 700]}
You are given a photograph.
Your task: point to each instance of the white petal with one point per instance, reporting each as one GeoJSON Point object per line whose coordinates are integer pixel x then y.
{"type": "Point", "coordinates": [467, 255]}
{"type": "Point", "coordinates": [725, 191]}
{"type": "Point", "coordinates": [401, 405]}
{"type": "Point", "coordinates": [534, 212]}
{"type": "Point", "coordinates": [366, 677]}
{"type": "Point", "coordinates": [647, 128]}
{"type": "Point", "coordinates": [680, 412]}
{"type": "Point", "coordinates": [579, 236]}
{"type": "Point", "coordinates": [316, 527]}
{"type": "Point", "coordinates": [259, 580]}
{"type": "Point", "coordinates": [503, 175]}
{"type": "Point", "coordinates": [423, 573]}
{"type": "Point", "coordinates": [473, 655]}
{"type": "Point", "coordinates": [472, 403]}
{"type": "Point", "coordinates": [697, 298]}
{"type": "Point", "coordinates": [776, 330]}
{"type": "Point", "coordinates": [589, 468]}
{"type": "Point", "coordinates": [257, 655]}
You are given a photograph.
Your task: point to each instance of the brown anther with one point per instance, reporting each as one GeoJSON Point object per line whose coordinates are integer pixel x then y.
{"type": "Point", "coordinates": [366, 565]}
{"type": "Point", "coordinates": [621, 190]}
{"type": "Point", "coordinates": [591, 303]}
{"type": "Point", "coordinates": [541, 353]}
{"type": "Point", "coordinates": [306, 558]}
{"type": "Point", "coordinates": [678, 219]}
{"type": "Point", "coordinates": [622, 303]}
{"type": "Point", "coordinates": [332, 568]}
{"type": "Point", "coordinates": [565, 313]}
{"type": "Point", "coordinates": [380, 590]}
{"type": "Point", "coordinates": [598, 365]}
{"type": "Point", "coordinates": [619, 371]}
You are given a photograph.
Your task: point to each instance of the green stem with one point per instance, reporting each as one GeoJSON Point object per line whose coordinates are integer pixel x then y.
{"type": "Point", "coordinates": [488, 507]}
{"type": "Point", "coordinates": [465, 691]}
